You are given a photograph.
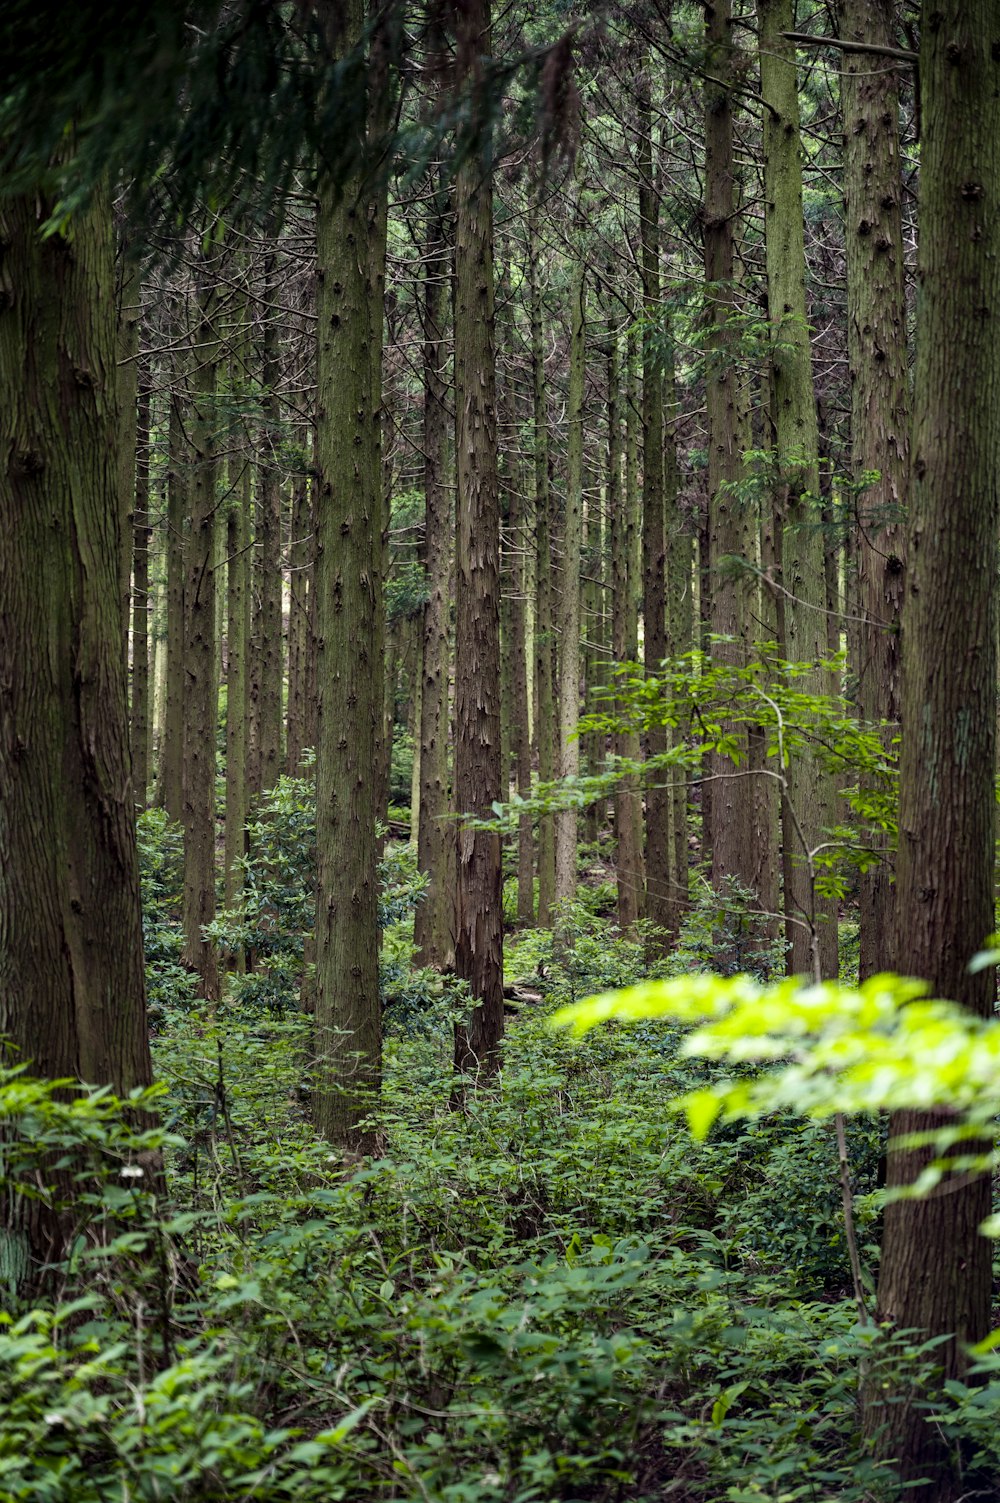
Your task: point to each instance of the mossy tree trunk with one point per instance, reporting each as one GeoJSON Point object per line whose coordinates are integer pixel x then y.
{"type": "Point", "coordinates": [880, 403]}
{"type": "Point", "coordinates": [732, 837]}
{"type": "Point", "coordinates": [172, 749]}
{"type": "Point", "coordinates": [269, 556]}
{"type": "Point", "coordinates": [238, 643]}
{"type": "Point", "coordinates": [545, 712]}
{"type": "Point", "coordinates": [935, 1270]}
{"type": "Point", "coordinates": [478, 919]}
{"type": "Point", "coordinates": [572, 549]}
{"type": "Point", "coordinates": [809, 804]}
{"type": "Point", "coordinates": [200, 681]}
{"type": "Point", "coordinates": [624, 644]}
{"type": "Point", "coordinates": [434, 917]}
{"type": "Point", "coordinates": [72, 981]}
{"type": "Point", "coordinates": [660, 908]}
{"type": "Point", "coordinates": [300, 554]}
{"type": "Point", "coordinates": [350, 635]}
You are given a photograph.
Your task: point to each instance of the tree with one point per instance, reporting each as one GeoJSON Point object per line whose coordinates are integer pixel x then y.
{"type": "Point", "coordinates": [434, 917]}
{"type": "Point", "coordinates": [660, 907]}
{"type": "Point", "coordinates": [478, 919]}
{"type": "Point", "coordinates": [807, 808]}
{"type": "Point", "coordinates": [572, 545]}
{"type": "Point", "coordinates": [880, 401]}
{"type": "Point", "coordinates": [72, 983]}
{"type": "Point", "coordinates": [350, 628]}
{"type": "Point", "coordinates": [200, 692]}
{"type": "Point", "coordinates": [935, 1273]}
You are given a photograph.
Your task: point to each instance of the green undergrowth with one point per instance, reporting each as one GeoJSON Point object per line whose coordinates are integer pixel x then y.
{"type": "Point", "coordinates": [553, 1295]}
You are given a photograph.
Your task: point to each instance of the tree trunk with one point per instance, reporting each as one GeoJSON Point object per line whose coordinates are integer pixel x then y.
{"type": "Point", "coordinates": [545, 712]}
{"type": "Point", "coordinates": [624, 649]}
{"type": "Point", "coordinates": [72, 982]}
{"type": "Point", "coordinates": [300, 554]}
{"type": "Point", "coordinates": [269, 483]}
{"type": "Point", "coordinates": [880, 403]}
{"type": "Point", "coordinates": [660, 909]}
{"type": "Point", "coordinates": [142, 533]}
{"type": "Point", "coordinates": [432, 925]}
{"type": "Point", "coordinates": [172, 750]}
{"type": "Point", "coordinates": [200, 682]}
{"type": "Point", "coordinates": [479, 923]}
{"type": "Point", "coordinates": [350, 637]}
{"type": "Point", "coordinates": [808, 806]}
{"type": "Point", "coordinates": [732, 837]}
{"type": "Point", "coordinates": [935, 1273]}
{"type": "Point", "coordinates": [238, 642]}
{"type": "Point", "coordinates": [569, 613]}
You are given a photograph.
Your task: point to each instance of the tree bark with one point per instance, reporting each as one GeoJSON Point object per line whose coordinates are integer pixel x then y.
{"type": "Point", "coordinates": [935, 1272]}
{"type": "Point", "coordinates": [200, 682]}
{"type": "Point", "coordinates": [624, 649]}
{"type": "Point", "coordinates": [880, 405]}
{"type": "Point", "coordinates": [172, 750]}
{"type": "Point", "coordinates": [660, 908]}
{"type": "Point", "coordinates": [350, 637]}
{"type": "Point", "coordinates": [569, 612]}
{"type": "Point", "coordinates": [269, 491]}
{"type": "Point", "coordinates": [142, 533]}
{"type": "Point", "coordinates": [732, 837]}
{"type": "Point", "coordinates": [545, 710]}
{"type": "Point", "coordinates": [72, 981]}
{"type": "Point", "coordinates": [433, 920]}
{"type": "Point", "coordinates": [478, 923]}
{"type": "Point", "coordinates": [808, 805]}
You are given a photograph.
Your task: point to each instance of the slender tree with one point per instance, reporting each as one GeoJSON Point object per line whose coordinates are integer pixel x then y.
{"type": "Point", "coordinates": [545, 707]}
{"type": "Point", "coordinates": [200, 677]}
{"type": "Point", "coordinates": [808, 807]}
{"type": "Point", "coordinates": [434, 917]}
{"type": "Point", "coordinates": [880, 401]}
{"type": "Point", "coordinates": [478, 922]}
{"type": "Point", "coordinates": [660, 908]}
{"type": "Point", "coordinates": [572, 546]}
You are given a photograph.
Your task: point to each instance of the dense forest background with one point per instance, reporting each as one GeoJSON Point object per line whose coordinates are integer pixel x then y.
{"type": "Point", "coordinates": [498, 509]}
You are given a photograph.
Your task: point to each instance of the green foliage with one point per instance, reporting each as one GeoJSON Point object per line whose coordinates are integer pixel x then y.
{"type": "Point", "coordinates": [275, 917]}
{"type": "Point", "coordinates": [161, 847]}
{"type": "Point", "coordinates": [540, 1298]}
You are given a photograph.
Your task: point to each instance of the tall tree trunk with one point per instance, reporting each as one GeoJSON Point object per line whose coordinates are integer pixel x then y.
{"type": "Point", "coordinates": [238, 641]}
{"type": "Point", "coordinates": [935, 1271]}
{"type": "Point", "coordinates": [269, 482]}
{"type": "Point", "coordinates": [624, 648]}
{"type": "Point", "coordinates": [808, 808]}
{"type": "Point", "coordinates": [172, 749]}
{"type": "Point", "coordinates": [72, 982]}
{"type": "Point", "coordinates": [200, 682]}
{"type": "Point", "coordinates": [660, 908]}
{"type": "Point", "coordinates": [545, 712]}
{"type": "Point", "coordinates": [880, 402]}
{"type": "Point", "coordinates": [521, 729]}
{"type": "Point", "coordinates": [127, 298]}
{"type": "Point", "coordinates": [142, 533]}
{"type": "Point", "coordinates": [569, 612]}
{"type": "Point", "coordinates": [350, 636]}
{"type": "Point", "coordinates": [479, 923]}
{"type": "Point", "coordinates": [679, 619]}
{"type": "Point", "coordinates": [432, 928]}
{"type": "Point", "coordinates": [732, 837]}
{"type": "Point", "coordinates": [300, 553]}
